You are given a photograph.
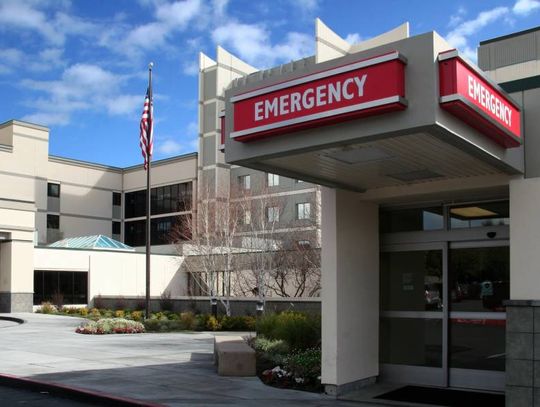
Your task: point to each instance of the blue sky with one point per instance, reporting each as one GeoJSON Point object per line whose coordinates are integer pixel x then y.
{"type": "Point", "coordinates": [80, 67]}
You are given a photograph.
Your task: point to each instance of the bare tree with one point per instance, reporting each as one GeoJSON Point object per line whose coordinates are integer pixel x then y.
{"type": "Point", "coordinates": [207, 240]}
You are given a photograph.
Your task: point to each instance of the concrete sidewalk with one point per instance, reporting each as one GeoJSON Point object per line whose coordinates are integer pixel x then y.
{"type": "Point", "coordinates": [174, 369]}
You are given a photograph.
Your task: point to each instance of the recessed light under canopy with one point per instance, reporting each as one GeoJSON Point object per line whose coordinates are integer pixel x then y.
{"type": "Point", "coordinates": [473, 212]}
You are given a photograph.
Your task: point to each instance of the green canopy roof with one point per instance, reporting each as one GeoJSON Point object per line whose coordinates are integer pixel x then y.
{"type": "Point", "coordinates": [91, 243]}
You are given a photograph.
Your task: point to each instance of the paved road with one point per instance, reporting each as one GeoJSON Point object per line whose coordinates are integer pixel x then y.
{"type": "Point", "coordinates": [175, 369]}
{"type": "Point", "coordinates": [18, 397]}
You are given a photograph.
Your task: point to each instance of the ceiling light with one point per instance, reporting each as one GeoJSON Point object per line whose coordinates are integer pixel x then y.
{"type": "Point", "coordinates": [472, 212]}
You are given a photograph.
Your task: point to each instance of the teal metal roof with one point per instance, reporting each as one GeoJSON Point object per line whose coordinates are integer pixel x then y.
{"type": "Point", "coordinates": [92, 242]}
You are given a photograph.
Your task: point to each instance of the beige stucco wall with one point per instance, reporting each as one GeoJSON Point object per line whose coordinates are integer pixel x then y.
{"type": "Point", "coordinates": [176, 171]}
{"type": "Point", "coordinates": [116, 273]}
{"type": "Point", "coordinates": [524, 239]}
{"type": "Point", "coordinates": [350, 288]}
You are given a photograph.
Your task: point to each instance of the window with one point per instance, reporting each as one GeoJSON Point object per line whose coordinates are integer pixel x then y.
{"type": "Point", "coordinates": [246, 219]}
{"type": "Point", "coordinates": [480, 215]}
{"type": "Point", "coordinates": [272, 214]}
{"type": "Point", "coordinates": [273, 180]}
{"type": "Point", "coordinates": [53, 190]}
{"type": "Point", "coordinates": [408, 220]}
{"type": "Point", "coordinates": [166, 199]}
{"type": "Point", "coordinates": [53, 222]}
{"type": "Point", "coordinates": [244, 181]}
{"type": "Point", "coordinates": [303, 210]}
{"type": "Point", "coordinates": [72, 286]}
{"type": "Point", "coordinates": [304, 244]}
{"type": "Point", "coordinates": [116, 228]}
{"type": "Point", "coordinates": [135, 231]}
{"type": "Point", "coordinates": [117, 199]}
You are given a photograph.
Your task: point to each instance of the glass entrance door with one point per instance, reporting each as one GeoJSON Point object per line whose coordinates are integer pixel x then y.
{"type": "Point", "coordinates": [412, 297]}
{"type": "Point", "coordinates": [478, 285]}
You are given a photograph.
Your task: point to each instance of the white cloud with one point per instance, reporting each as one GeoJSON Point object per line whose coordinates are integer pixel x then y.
{"type": "Point", "coordinates": [457, 18]}
{"type": "Point", "coordinates": [45, 60]}
{"type": "Point", "coordinates": [47, 119]}
{"type": "Point", "coordinates": [525, 7]}
{"type": "Point", "coordinates": [30, 16]}
{"type": "Point", "coordinates": [191, 68]}
{"type": "Point", "coordinates": [124, 104]}
{"type": "Point", "coordinates": [81, 87]}
{"type": "Point", "coordinates": [169, 147]}
{"type": "Point", "coordinates": [175, 145]}
{"type": "Point", "coordinates": [460, 35]}
{"type": "Point", "coordinates": [307, 5]}
{"type": "Point", "coordinates": [252, 43]}
{"type": "Point", "coordinates": [353, 38]}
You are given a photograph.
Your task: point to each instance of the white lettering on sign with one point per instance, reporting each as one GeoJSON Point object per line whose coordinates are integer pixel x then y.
{"type": "Point", "coordinates": [311, 97]}
{"type": "Point", "coordinates": [489, 101]}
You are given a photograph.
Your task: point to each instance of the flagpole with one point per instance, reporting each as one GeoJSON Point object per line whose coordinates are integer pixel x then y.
{"type": "Point", "coordinates": [148, 197]}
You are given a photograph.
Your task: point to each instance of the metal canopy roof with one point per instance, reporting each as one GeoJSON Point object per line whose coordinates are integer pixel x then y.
{"type": "Point", "coordinates": [92, 243]}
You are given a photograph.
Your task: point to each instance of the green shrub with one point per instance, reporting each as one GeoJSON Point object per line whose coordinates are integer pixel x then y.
{"type": "Point", "coordinates": [119, 313]}
{"type": "Point", "coordinates": [160, 325]}
{"type": "Point", "coordinates": [305, 366]}
{"type": "Point", "coordinates": [300, 331]}
{"type": "Point", "coordinates": [238, 323]}
{"type": "Point", "coordinates": [95, 313]}
{"type": "Point", "coordinates": [84, 312]}
{"type": "Point", "coordinates": [47, 308]}
{"type": "Point", "coordinates": [273, 350]}
{"type": "Point", "coordinates": [212, 324]}
{"type": "Point", "coordinates": [137, 315]}
{"type": "Point", "coordinates": [188, 320]}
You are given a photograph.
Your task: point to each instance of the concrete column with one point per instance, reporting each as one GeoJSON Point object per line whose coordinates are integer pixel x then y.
{"type": "Point", "coordinates": [523, 309]}
{"type": "Point", "coordinates": [16, 276]}
{"type": "Point", "coordinates": [350, 291]}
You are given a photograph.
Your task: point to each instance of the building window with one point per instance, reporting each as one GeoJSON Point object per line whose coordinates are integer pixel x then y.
{"type": "Point", "coordinates": [53, 222]}
{"type": "Point", "coordinates": [117, 199]}
{"type": "Point", "coordinates": [272, 214]}
{"type": "Point", "coordinates": [53, 190]}
{"type": "Point", "coordinates": [303, 210]}
{"type": "Point", "coordinates": [72, 287]}
{"type": "Point", "coordinates": [166, 199]}
{"type": "Point", "coordinates": [480, 215]}
{"type": "Point", "coordinates": [135, 231]}
{"type": "Point", "coordinates": [304, 244]}
{"type": "Point", "coordinates": [116, 228]}
{"type": "Point", "coordinates": [244, 181]}
{"type": "Point", "coordinates": [272, 180]}
{"type": "Point", "coordinates": [246, 219]}
{"type": "Point", "coordinates": [409, 220]}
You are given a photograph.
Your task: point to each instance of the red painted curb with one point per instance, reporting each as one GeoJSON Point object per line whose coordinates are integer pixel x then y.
{"type": "Point", "coordinates": [77, 392]}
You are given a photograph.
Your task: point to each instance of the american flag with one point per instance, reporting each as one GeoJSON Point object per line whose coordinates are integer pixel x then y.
{"type": "Point", "coordinates": [147, 129]}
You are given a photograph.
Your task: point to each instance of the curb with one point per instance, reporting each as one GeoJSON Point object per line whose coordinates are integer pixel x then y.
{"type": "Point", "coordinates": [71, 392]}
{"type": "Point", "coordinates": [12, 319]}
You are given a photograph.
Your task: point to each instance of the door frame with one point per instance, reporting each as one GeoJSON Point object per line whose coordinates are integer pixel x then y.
{"type": "Point", "coordinates": [444, 240]}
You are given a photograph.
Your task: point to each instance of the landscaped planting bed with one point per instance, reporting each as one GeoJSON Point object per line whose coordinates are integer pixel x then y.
{"type": "Point", "coordinates": [164, 321]}
{"type": "Point", "coordinates": [288, 350]}
{"type": "Point", "coordinates": [110, 326]}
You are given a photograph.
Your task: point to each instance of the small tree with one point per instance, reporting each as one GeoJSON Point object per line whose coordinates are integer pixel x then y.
{"type": "Point", "coordinates": [207, 238]}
